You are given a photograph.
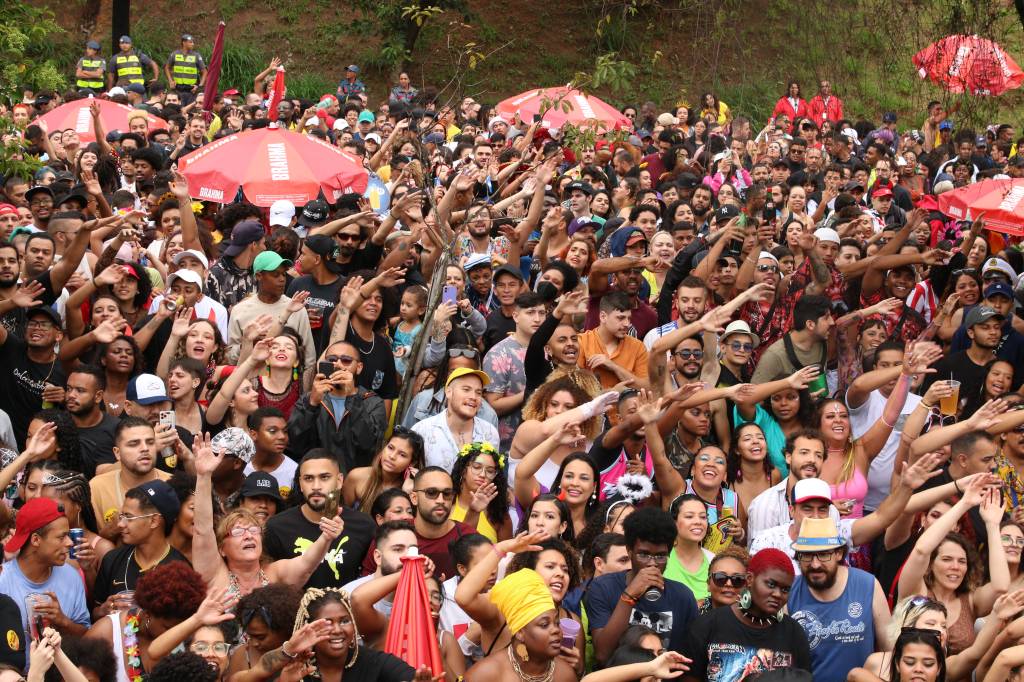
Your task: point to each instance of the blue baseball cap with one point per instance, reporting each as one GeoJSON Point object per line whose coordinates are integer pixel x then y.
{"type": "Point", "coordinates": [999, 289]}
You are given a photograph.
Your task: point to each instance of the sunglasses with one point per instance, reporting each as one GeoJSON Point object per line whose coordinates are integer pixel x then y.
{"type": "Point", "coordinates": [343, 360]}
{"type": "Point", "coordinates": [721, 579]}
{"type": "Point", "coordinates": [965, 271]}
{"type": "Point", "coordinates": [434, 493]}
{"type": "Point", "coordinates": [686, 354]}
{"type": "Point", "coordinates": [462, 353]}
{"type": "Point", "coordinates": [738, 346]}
{"type": "Point", "coordinates": [764, 267]}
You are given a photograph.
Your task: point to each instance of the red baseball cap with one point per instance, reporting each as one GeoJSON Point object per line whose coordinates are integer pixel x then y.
{"type": "Point", "coordinates": [35, 514]}
{"type": "Point", "coordinates": [231, 93]}
{"type": "Point", "coordinates": [6, 209]}
{"type": "Point", "coordinates": [882, 191]}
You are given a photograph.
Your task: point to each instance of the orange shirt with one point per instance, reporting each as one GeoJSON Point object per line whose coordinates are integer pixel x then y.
{"type": "Point", "coordinates": [631, 355]}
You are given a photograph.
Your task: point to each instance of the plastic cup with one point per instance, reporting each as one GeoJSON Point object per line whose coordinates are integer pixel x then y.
{"type": "Point", "coordinates": [570, 631]}
{"type": "Point", "coordinates": [124, 600]}
{"type": "Point", "coordinates": [948, 405]}
{"type": "Point", "coordinates": [37, 622]}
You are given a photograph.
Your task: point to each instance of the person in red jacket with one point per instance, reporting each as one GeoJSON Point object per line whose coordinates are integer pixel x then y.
{"type": "Point", "coordinates": [825, 106]}
{"type": "Point", "coordinates": [792, 105]}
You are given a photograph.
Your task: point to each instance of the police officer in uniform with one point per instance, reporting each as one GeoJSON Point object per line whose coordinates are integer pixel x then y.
{"type": "Point", "coordinates": [91, 68]}
{"type": "Point", "coordinates": [185, 69]}
{"type": "Point", "coordinates": [125, 67]}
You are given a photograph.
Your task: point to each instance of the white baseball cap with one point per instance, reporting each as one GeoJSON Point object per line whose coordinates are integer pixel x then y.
{"type": "Point", "coordinates": [811, 489]}
{"type": "Point", "coordinates": [340, 124]}
{"type": "Point", "coordinates": [186, 276]}
{"type": "Point", "coordinates": [198, 255]}
{"type": "Point", "coordinates": [373, 136]}
{"type": "Point", "coordinates": [826, 234]}
{"type": "Point", "coordinates": [281, 212]}
{"type": "Point", "coordinates": [116, 90]}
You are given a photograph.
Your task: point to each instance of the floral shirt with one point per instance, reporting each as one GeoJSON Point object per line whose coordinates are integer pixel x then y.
{"type": "Point", "coordinates": [905, 325]}
{"type": "Point", "coordinates": [771, 321]}
{"type": "Point", "coordinates": [499, 247]}
{"type": "Point", "coordinates": [504, 364]}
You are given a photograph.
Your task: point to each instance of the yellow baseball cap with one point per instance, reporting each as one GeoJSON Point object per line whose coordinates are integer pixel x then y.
{"type": "Point", "coordinates": [466, 371]}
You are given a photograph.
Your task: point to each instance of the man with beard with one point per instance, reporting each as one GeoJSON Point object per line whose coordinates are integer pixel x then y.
{"type": "Point", "coordinates": [231, 278]}
{"type": "Point", "coordinates": [664, 159]}
{"type": "Point", "coordinates": [83, 397]}
{"type": "Point", "coordinates": [270, 268]}
{"type": "Point", "coordinates": [146, 398]}
{"type": "Point", "coordinates": [507, 284]}
{"type": "Point", "coordinates": [627, 272]}
{"type": "Point", "coordinates": [355, 250]}
{"type": "Point", "coordinates": [807, 342]}
{"type": "Point", "coordinates": [555, 345]}
{"type": "Point", "coordinates": [984, 327]}
{"type": "Point", "coordinates": [608, 350]}
{"type": "Point", "coordinates": [999, 297]}
{"type": "Point", "coordinates": [804, 454]}
{"type": "Point", "coordinates": [842, 609]}
{"type": "Point", "coordinates": [433, 496]}
{"type": "Point", "coordinates": [579, 194]}
{"type": "Point", "coordinates": [40, 203]}
{"type": "Point", "coordinates": [458, 422]}
{"type": "Point", "coordinates": [690, 302]}
{"type": "Point", "coordinates": [29, 367]}
{"type": "Point", "coordinates": [701, 204]}
{"type": "Point", "coordinates": [294, 530]}
{"type": "Point", "coordinates": [136, 451]}
{"type": "Point", "coordinates": [391, 542]}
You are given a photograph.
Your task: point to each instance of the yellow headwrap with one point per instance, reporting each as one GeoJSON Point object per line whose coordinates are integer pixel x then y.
{"type": "Point", "coordinates": [521, 597]}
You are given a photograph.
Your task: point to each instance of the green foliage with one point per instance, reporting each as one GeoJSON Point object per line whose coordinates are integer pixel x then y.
{"type": "Point", "coordinates": [13, 163]}
{"type": "Point", "coordinates": [614, 73]}
{"type": "Point", "coordinates": [26, 33]}
{"type": "Point", "coordinates": [308, 85]}
{"type": "Point", "coordinates": [240, 63]}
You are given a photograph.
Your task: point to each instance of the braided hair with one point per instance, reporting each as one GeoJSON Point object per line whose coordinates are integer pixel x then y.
{"type": "Point", "coordinates": [74, 486]}
{"type": "Point", "coordinates": [315, 599]}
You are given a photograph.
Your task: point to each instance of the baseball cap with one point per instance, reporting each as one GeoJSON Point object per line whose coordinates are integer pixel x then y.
{"type": "Point", "coordinates": [466, 371]}
{"type": "Point", "coordinates": [946, 125]}
{"type": "Point", "coordinates": [495, 120]}
{"type": "Point", "coordinates": [245, 233]}
{"type": "Point", "coordinates": [434, 138]}
{"type": "Point", "coordinates": [889, 117]}
{"type": "Point", "coordinates": [981, 313]}
{"type": "Point", "coordinates": [163, 497]}
{"type": "Point", "coordinates": [852, 185]}
{"type": "Point", "coordinates": [942, 186]}
{"type": "Point", "coordinates": [667, 119]}
{"type": "Point", "coordinates": [115, 91]}
{"type": "Point", "coordinates": [137, 88]}
{"type": "Point", "coordinates": [726, 212]}
{"type": "Point", "coordinates": [92, 45]}
{"type": "Point", "coordinates": [314, 213]}
{"type": "Point", "coordinates": [198, 255]}
{"type": "Point", "coordinates": [982, 141]}
{"type": "Point", "coordinates": [827, 234]}
{"type": "Point", "coordinates": [740, 327]}
{"type": "Point", "coordinates": [340, 124]}
{"type": "Point", "coordinates": [8, 209]}
{"type": "Point", "coordinates": [312, 122]}
{"type": "Point", "coordinates": [998, 289]}
{"type": "Point", "coordinates": [268, 261]}
{"type": "Point", "coordinates": [579, 186]}
{"type": "Point", "coordinates": [320, 244]}
{"type": "Point", "coordinates": [186, 36]}
{"type": "Point", "coordinates": [578, 224]}
{"type": "Point", "coordinates": [635, 237]}
{"type": "Point", "coordinates": [353, 68]}
{"type": "Point", "coordinates": [476, 260]}
{"type": "Point", "coordinates": [372, 136]}
{"type": "Point", "coordinates": [185, 276]}
{"type": "Point", "coordinates": [260, 484]}
{"type": "Point", "coordinates": [44, 310]}
{"type": "Point", "coordinates": [281, 212]}
{"type": "Point", "coordinates": [508, 270]}
{"type": "Point", "coordinates": [33, 515]}
{"type": "Point", "coordinates": [147, 389]}
{"type": "Point", "coordinates": [125, 39]}
{"type": "Point", "coordinates": [231, 92]}
{"type": "Point", "coordinates": [811, 489]}
{"type": "Point", "coordinates": [882, 191]}
{"type": "Point", "coordinates": [235, 442]}
{"type": "Point", "coordinates": [38, 189]}
{"type": "Point", "coordinates": [366, 116]}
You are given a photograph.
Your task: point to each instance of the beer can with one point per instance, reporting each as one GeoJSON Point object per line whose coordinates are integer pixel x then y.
{"type": "Point", "coordinates": [76, 535]}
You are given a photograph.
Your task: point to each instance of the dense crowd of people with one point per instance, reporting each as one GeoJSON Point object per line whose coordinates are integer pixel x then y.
{"type": "Point", "coordinates": [713, 398]}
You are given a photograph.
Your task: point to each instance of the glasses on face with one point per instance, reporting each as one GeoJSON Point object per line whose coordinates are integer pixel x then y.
{"type": "Point", "coordinates": [686, 354]}
{"type": "Point", "coordinates": [342, 237]}
{"type": "Point", "coordinates": [219, 648]}
{"type": "Point", "coordinates": [721, 579]}
{"type": "Point", "coordinates": [469, 353]}
{"type": "Point", "coordinates": [39, 324]}
{"type": "Point", "coordinates": [823, 557]}
{"type": "Point", "coordinates": [128, 517]}
{"type": "Point", "coordinates": [41, 202]}
{"type": "Point", "coordinates": [481, 469]}
{"type": "Point", "coordinates": [1010, 540]}
{"type": "Point", "coordinates": [343, 360]}
{"type": "Point", "coordinates": [658, 559]}
{"type": "Point", "coordinates": [433, 493]}
{"type": "Point", "coordinates": [239, 531]}
{"type": "Point", "coordinates": [764, 267]}
{"type": "Point", "coordinates": [738, 346]}
{"type": "Point", "coordinates": [965, 271]}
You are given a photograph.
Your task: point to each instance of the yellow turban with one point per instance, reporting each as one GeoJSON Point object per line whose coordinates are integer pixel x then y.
{"type": "Point", "coordinates": [521, 597]}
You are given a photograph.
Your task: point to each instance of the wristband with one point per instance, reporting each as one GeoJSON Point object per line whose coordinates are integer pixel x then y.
{"type": "Point", "coordinates": [286, 654]}
{"type": "Point", "coordinates": [627, 599]}
{"type": "Point", "coordinates": [500, 552]}
{"type": "Point", "coordinates": [956, 486]}
{"type": "Point", "coordinates": [926, 405]}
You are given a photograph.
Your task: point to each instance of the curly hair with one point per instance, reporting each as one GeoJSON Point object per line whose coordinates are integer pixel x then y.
{"type": "Point", "coordinates": [87, 653]}
{"type": "Point", "coordinates": [165, 205]}
{"type": "Point", "coordinates": [184, 665]}
{"type": "Point", "coordinates": [975, 572]}
{"type": "Point", "coordinates": [733, 460]}
{"type": "Point", "coordinates": [375, 483]}
{"type": "Point", "coordinates": [69, 449]}
{"type": "Point", "coordinates": [649, 524]}
{"type": "Point", "coordinates": [569, 534]}
{"type": "Point", "coordinates": [731, 552]}
{"type": "Point", "coordinates": [275, 605]}
{"type": "Point", "coordinates": [603, 518]}
{"type": "Point", "coordinates": [173, 591]}
{"type": "Point", "coordinates": [137, 365]}
{"type": "Point", "coordinates": [497, 509]}
{"type": "Point", "coordinates": [529, 559]}
{"type": "Point", "coordinates": [570, 382]}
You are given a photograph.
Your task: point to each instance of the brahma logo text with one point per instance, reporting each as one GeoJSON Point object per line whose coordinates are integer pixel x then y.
{"type": "Point", "coordinates": [210, 193]}
{"type": "Point", "coordinates": [278, 162]}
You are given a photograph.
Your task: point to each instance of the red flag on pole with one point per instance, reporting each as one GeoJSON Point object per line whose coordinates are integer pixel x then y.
{"type": "Point", "coordinates": [276, 94]}
{"type": "Point", "coordinates": [213, 74]}
{"type": "Point", "coordinates": [412, 636]}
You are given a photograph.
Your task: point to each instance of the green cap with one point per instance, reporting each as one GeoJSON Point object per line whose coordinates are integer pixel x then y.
{"type": "Point", "coordinates": [268, 261]}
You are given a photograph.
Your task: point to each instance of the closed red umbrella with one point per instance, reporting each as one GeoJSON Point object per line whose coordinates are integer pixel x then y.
{"type": "Point", "coordinates": [412, 636]}
{"type": "Point", "coordinates": [1001, 202]}
{"type": "Point", "coordinates": [550, 103]}
{"type": "Point", "coordinates": [970, 64]}
{"type": "Point", "coordinates": [271, 163]}
{"type": "Point", "coordinates": [77, 116]}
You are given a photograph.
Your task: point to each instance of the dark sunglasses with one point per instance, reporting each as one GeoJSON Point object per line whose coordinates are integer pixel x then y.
{"type": "Point", "coordinates": [344, 360]}
{"type": "Point", "coordinates": [764, 267]}
{"type": "Point", "coordinates": [462, 353]}
{"type": "Point", "coordinates": [434, 493]}
{"type": "Point", "coordinates": [686, 354]}
{"type": "Point", "coordinates": [965, 271]}
{"type": "Point", "coordinates": [721, 579]}
{"type": "Point", "coordinates": [737, 346]}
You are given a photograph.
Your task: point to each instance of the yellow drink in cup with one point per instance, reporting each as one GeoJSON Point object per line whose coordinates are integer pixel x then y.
{"type": "Point", "coordinates": [948, 405]}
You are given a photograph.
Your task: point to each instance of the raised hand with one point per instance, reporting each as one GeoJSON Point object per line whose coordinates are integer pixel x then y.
{"type": "Point", "coordinates": [991, 510]}
{"type": "Point", "coordinates": [986, 415]}
{"type": "Point", "coordinates": [350, 295]}
{"type": "Point", "coordinates": [884, 307]}
{"type": "Point", "coordinates": [482, 497]}
{"type": "Point", "coordinates": [669, 665]}
{"type": "Point", "coordinates": [25, 295]}
{"type": "Point", "coordinates": [216, 608]}
{"type": "Point", "coordinates": [802, 378]}
{"type": "Point", "coordinates": [182, 321]}
{"type": "Point", "coordinates": [91, 182]}
{"type": "Point", "coordinates": [179, 185]}
{"type": "Point", "coordinates": [106, 331]}
{"type": "Point", "coordinates": [206, 459]}
{"type": "Point", "coordinates": [306, 637]}
{"type": "Point", "coordinates": [391, 277]}
{"type": "Point", "coordinates": [649, 408]}
{"type": "Point", "coordinates": [298, 302]}
{"type": "Point", "coordinates": [261, 351]}
{"type": "Point", "coordinates": [42, 442]}
{"type": "Point", "coordinates": [715, 320]}
{"type": "Point", "coordinates": [524, 542]}
{"type": "Point", "coordinates": [924, 469]}
{"type": "Point", "coordinates": [332, 528]}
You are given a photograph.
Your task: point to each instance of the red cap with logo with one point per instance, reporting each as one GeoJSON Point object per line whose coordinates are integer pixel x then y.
{"type": "Point", "coordinates": [35, 514]}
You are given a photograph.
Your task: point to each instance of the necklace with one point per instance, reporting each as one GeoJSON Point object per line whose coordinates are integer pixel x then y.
{"type": "Point", "coordinates": [113, 406]}
{"type": "Point", "coordinates": [373, 340]}
{"type": "Point", "coordinates": [763, 621]}
{"type": "Point", "coordinates": [546, 676]}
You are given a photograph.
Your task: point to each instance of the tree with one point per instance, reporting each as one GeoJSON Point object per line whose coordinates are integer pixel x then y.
{"type": "Point", "coordinates": [27, 35]}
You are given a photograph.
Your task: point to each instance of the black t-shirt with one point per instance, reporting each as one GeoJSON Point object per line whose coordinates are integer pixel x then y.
{"type": "Point", "coordinates": [22, 382]}
{"type": "Point", "coordinates": [958, 366]}
{"type": "Point", "coordinates": [161, 337]}
{"type": "Point", "coordinates": [289, 534]}
{"type": "Point", "coordinates": [119, 571]}
{"type": "Point", "coordinates": [365, 258]}
{"type": "Point", "coordinates": [322, 296]}
{"type": "Point", "coordinates": [498, 329]}
{"type": "Point", "coordinates": [97, 443]}
{"type": "Point", "coordinates": [725, 650]}
{"type": "Point", "coordinates": [379, 374]}
{"type": "Point", "coordinates": [669, 617]}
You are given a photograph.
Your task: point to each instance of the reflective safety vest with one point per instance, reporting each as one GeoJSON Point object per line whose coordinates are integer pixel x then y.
{"type": "Point", "coordinates": [129, 68]}
{"type": "Point", "coordinates": [184, 69]}
{"type": "Point", "coordinates": [91, 65]}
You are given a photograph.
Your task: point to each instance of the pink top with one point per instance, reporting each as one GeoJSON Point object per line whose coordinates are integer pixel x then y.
{"type": "Point", "coordinates": [854, 489]}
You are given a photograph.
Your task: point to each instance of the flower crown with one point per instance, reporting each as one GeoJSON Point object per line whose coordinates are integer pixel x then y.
{"type": "Point", "coordinates": [482, 448]}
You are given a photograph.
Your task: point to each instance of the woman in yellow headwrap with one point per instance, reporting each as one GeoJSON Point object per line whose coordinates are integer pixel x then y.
{"type": "Point", "coordinates": [531, 617]}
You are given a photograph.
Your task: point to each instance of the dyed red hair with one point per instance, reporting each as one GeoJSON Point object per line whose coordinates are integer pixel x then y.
{"type": "Point", "coordinates": [769, 558]}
